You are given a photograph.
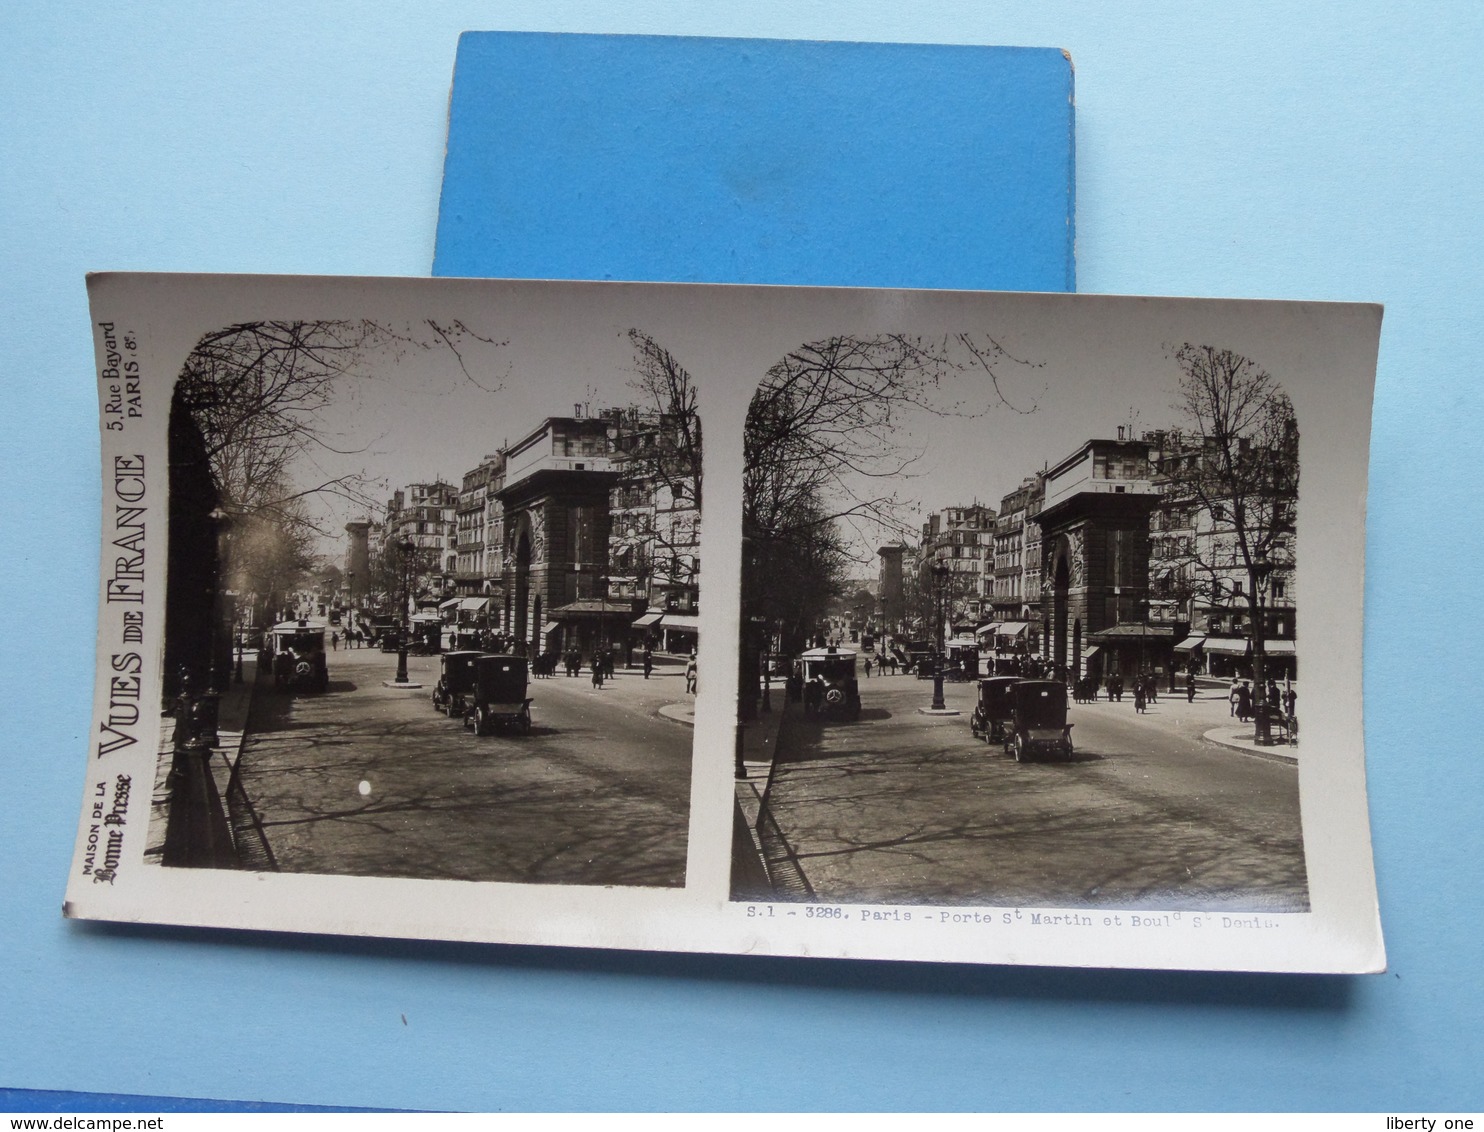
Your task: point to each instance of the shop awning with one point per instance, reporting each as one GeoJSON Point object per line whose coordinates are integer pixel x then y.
{"type": "Point", "coordinates": [471, 604]}
{"type": "Point", "coordinates": [1227, 646]}
{"type": "Point", "coordinates": [550, 627]}
{"type": "Point", "coordinates": [449, 604]}
{"type": "Point", "coordinates": [591, 607]}
{"type": "Point", "coordinates": [1280, 648]}
{"type": "Point", "coordinates": [1191, 643]}
{"type": "Point", "coordinates": [987, 630]}
{"type": "Point", "coordinates": [1126, 632]}
{"type": "Point", "coordinates": [647, 620]}
{"type": "Point", "coordinates": [680, 621]}
{"type": "Point", "coordinates": [1089, 653]}
{"type": "Point", "coordinates": [1014, 628]}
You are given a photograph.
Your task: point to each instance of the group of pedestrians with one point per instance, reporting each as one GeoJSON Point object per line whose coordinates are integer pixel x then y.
{"type": "Point", "coordinates": [1243, 705]}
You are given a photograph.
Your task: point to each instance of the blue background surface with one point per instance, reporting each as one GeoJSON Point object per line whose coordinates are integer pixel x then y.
{"type": "Point", "coordinates": [758, 161]}
{"type": "Point", "coordinates": [1269, 149]}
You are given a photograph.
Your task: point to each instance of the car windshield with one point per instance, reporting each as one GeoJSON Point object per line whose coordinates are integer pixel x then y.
{"type": "Point", "coordinates": [835, 668]}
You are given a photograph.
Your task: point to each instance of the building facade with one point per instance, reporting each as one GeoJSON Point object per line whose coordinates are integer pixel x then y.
{"type": "Point", "coordinates": [963, 539]}
{"type": "Point", "coordinates": [1095, 561]}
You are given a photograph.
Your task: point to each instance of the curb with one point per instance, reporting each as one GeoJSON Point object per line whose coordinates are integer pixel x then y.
{"type": "Point", "coordinates": [1238, 739]}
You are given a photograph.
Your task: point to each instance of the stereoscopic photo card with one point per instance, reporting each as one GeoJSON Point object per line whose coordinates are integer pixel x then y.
{"type": "Point", "coordinates": [922, 625]}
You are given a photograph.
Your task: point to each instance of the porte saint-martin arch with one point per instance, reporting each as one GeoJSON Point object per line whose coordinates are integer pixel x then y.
{"type": "Point", "coordinates": [557, 483]}
{"type": "Point", "coordinates": [1095, 558]}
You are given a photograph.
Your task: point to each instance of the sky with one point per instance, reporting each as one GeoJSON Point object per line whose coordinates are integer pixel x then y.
{"type": "Point", "coordinates": [411, 415]}
{"type": "Point", "coordinates": [1071, 371]}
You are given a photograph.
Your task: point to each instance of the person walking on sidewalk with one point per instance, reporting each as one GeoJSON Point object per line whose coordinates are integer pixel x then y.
{"type": "Point", "coordinates": [648, 661]}
{"type": "Point", "coordinates": [1190, 687]}
{"type": "Point", "coordinates": [690, 674]}
{"type": "Point", "coordinates": [1234, 694]}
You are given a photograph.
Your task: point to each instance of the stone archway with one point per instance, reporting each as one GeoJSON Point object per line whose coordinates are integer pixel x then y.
{"type": "Point", "coordinates": [518, 618]}
{"type": "Point", "coordinates": [1061, 587]}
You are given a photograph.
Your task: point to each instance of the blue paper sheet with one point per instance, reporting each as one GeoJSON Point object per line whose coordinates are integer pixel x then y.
{"type": "Point", "coordinates": [759, 161]}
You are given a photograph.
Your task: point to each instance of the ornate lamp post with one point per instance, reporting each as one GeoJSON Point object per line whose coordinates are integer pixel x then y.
{"type": "Point", "coordinates": [350, 601]}
{"type": "Point", "coordinates": [406, 548]}
{"type": "Point", "coordinates": [237, 642]}
{"type": "Point", "coordinates": [1261, 571]}
{"type": "Point", "coordinates": [940, 579]}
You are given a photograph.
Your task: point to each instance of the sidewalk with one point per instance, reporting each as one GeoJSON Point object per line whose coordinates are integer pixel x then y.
{"type": "Point", "coordinates": [759, 741]}
{"type": "Point", "coordinates": [1212, 715]}
{"type": "Point", "coordinates": [1243, 738]}
{"type": "Point", "coordinates": [232, 708]}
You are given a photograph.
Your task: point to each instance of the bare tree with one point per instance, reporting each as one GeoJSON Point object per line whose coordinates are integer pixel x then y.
{"type": "Point", "coordinates": [1241, 473]}
{"type": "Point", "coordinates": [826, 443]}
{"type": "Point", "coordinates": [258, 392]}
{"type": "Point", "coordinates": [661, 481]}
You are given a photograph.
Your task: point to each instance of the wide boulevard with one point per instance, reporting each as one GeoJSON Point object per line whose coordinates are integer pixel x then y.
{"type": "Point", "coordinates": [903, 807]}
{"type": "Point", "coordinates": [368, 780]}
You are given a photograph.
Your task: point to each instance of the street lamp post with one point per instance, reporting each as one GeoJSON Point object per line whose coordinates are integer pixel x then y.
{"type": "Point", "coordinates": [406, 548]}
{"type": "Point", "coordinates": [940, 578]}
{"type": "Point", "coordinates": [237, 630]}
{"type": "Point", "coordinates": [350, 601]}
{"type": "Point", "coordinates": [1260, 571]}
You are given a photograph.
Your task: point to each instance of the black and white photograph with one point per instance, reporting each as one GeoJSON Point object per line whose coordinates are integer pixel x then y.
{"type": "Point", "coordinates": [431, 605]}
{"type": "Point", "coordinates": [998, 656]}
{"type": "Point", "coordinates": [1022, 614]}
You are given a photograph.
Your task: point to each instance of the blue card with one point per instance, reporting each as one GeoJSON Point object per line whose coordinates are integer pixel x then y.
{"type": "Point", "coordinates": [759, 161]}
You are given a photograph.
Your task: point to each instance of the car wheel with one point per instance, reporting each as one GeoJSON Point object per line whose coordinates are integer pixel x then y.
{"type": "Point", "coordinates": [1018, 748]}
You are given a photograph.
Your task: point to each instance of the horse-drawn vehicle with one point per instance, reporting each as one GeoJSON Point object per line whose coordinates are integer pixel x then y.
{"type": "Point", "coordinates": [498, 697]}
{"type": "Point", "coordinates": [1038, 720]}
{"type": "Point", "coordinates": [451, 693]}
{"type": "Point", "coordinates": [830, 685]}
{"type": "Point", "coordinates": [298, 651]}
{"type": "Point", "coordinates": [994, 710]}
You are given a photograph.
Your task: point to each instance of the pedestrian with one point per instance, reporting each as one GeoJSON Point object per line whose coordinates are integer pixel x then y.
{"type": "Point", "coordinates": [1244, 702]}
{"type": "Point", "coordinates": [334, 642]}
{"type": "Point", "coordinates": [648, 661]}
{"type": "Point", "coordinates": [1138, 695]}
{"type": "Point", "coordinates": [1190, 687]}
{"type": "Point", "coordinates": [1234, 694]}
{"type": "Point", "coordinates": [597, 673]}
{"type": "Point", "coordinates": [868, 668]}
{"type": "Point", "coordinates": [691, 674]}
{"type": "Point", "coordinates": [1151, 688]}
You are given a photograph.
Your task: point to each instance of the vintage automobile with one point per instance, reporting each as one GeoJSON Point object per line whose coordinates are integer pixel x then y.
{"type": "Point", "coordinates": [498, 697]}
{"type": "Point", "coordinates": [1038, 720]}
{"type": "Point", "coordinates": [992, 713]}
{"type": "Point", "coordinates": [425, 635]}
{"type": "Point", "coordinates": [830, 686]}
{"type": "Point", "coordinates": [961, 661]}
{"type": "Point", "coordinates": [451, 693]}
{"type": "Point", "coordinates": [298, 650]}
